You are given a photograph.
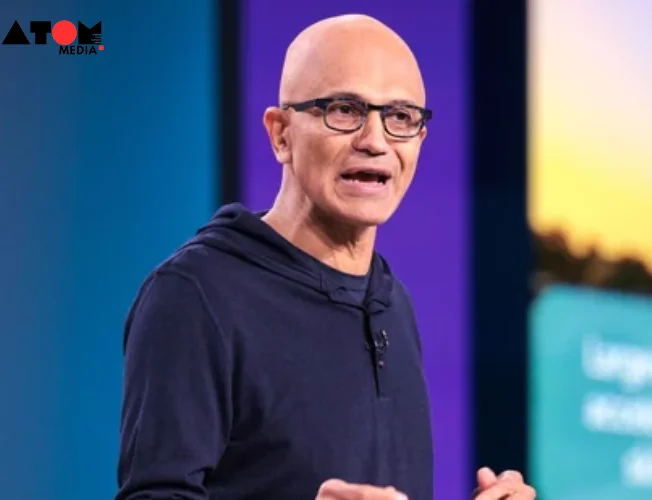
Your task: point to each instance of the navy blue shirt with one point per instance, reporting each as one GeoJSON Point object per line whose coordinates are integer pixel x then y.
{"type": "Point", "coordinates": [254, 371]}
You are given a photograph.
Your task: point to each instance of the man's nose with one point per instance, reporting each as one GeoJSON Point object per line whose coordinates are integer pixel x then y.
{"type": "Point", "coordinates": [371, 137]}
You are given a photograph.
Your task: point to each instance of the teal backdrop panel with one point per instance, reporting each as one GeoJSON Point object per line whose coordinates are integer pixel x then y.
{"type": "Point", "coordinates": [591, 395]}
{"type": "Point", "coordinates": [107, 163]}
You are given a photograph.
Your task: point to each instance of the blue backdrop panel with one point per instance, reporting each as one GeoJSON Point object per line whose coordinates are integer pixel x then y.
{"type": "Point", "coordinates": [107, 163]}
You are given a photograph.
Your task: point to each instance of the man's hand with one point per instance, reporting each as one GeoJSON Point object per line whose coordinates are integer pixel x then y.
{"type": "Point", "coordinates": [508, 486]}
{"type": "Point", "coordinates": [335, 489]}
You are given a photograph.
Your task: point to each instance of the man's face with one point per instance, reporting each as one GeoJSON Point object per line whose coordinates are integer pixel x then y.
{"type": "Point", "coordinates": [330, 165]}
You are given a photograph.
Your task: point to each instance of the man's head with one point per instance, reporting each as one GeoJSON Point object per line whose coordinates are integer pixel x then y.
{"type": "Point", "coordinates": [347, 161]}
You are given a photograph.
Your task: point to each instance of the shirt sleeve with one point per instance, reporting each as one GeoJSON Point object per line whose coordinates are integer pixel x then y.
{"type": "Point", "coordinates": [176, 410]}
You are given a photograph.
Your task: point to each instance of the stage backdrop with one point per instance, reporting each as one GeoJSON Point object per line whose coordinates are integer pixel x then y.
{"type": "Point", "coordinates": [426, 241]}
{"type": "Point", "coordinates": [590, 205]}
{"type": "Point", "coordinates": [106, 165]}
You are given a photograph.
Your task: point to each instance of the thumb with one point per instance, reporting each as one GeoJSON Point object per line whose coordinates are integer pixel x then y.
{"type": "Point", "coordinates": [341, 490]}
{"type": "Point", "coordinates": [486, 478]}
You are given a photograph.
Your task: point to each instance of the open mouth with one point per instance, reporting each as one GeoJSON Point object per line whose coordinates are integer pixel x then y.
{"type": "Point", "coordinates": [366, 177]}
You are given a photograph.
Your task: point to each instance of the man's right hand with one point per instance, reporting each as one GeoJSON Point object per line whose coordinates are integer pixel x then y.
{"type": "Point", "coordinates": [335, 489]}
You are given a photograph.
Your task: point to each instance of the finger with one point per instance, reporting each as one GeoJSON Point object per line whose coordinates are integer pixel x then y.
{"type": "Point", "coordinates": [525, 492]}
{"type": "Point", "coordinates": [476, 493]}
{"type": "Point", "coordinates": [392, 493]}
{"type": "Point", "coordinates": [336, 489]}
{"type": "Point", "coordinates": [366, 492]}
{"type": "Point", "coordinates": [499, 491]}
{"type": "Point", "coordinates": [486, 478]}
{"type": "Point", "coordinates": [511, 476]}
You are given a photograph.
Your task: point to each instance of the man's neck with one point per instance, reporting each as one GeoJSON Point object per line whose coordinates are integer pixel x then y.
{"type": "Point", "coordinates": [343, 248]}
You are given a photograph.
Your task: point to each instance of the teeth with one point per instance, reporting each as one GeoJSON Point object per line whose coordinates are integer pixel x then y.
{"type": "Point", "coordinates": [377, 181]}
{"type": "Point", "coordinates": [366, 176]}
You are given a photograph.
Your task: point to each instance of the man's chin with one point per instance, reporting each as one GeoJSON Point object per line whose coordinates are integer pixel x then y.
{"type": "Point", "coordinates": [364, 215]}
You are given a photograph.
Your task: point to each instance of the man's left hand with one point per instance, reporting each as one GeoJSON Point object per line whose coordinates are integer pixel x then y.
{"type": "Point", "coordinates": [508, 486]}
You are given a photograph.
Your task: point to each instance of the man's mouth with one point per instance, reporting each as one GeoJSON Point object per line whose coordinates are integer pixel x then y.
{"type": "Point", "coordinates": [366, 177]}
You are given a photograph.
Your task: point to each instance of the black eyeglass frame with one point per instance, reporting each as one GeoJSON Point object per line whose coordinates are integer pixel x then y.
{"type": "Point", "coordinates": [322, 103]}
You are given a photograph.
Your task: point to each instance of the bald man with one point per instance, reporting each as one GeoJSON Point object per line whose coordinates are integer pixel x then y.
{"type": "Point", "coordinates": [275, 356]}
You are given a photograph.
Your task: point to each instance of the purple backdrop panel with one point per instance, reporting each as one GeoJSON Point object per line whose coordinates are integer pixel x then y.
{"type": "Point", "coordinates": [426, 241]}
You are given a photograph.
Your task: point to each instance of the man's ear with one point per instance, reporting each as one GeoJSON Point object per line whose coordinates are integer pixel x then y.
{"type": "Point", "coordinates": [276, 122]}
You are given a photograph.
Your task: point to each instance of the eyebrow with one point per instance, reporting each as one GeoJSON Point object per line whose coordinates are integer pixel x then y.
{"type": "Point", "coordinates": [358, 97]}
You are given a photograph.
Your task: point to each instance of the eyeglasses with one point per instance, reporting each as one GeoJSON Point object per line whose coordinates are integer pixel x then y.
{"type": "Point", "coordinates": [403, 121]}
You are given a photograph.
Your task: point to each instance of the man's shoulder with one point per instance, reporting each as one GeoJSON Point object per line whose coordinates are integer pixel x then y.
{"type": "Point", "coordinates": [193, 263]}
{"type": "Point", "coordinates": [192, 279]}
{"type": "Point", "coordinates": [398, 286]}
{"type": "Point", "coordinates": [404, 297]}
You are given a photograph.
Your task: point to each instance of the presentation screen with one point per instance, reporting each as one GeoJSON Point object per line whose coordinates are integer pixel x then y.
{"type": "Point", "coordinates": [590, 213]}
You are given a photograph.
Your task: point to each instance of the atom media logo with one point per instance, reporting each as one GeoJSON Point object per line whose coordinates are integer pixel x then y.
{"type": "Point", "coordinates": [64, 33]}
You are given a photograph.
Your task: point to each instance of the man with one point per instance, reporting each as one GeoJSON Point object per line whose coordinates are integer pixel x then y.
{"type": "Point", "coordinates": [275, 355]}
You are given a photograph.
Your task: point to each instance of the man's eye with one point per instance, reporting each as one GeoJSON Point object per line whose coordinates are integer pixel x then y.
{"type": "Point", "coordinates": [401, 115]}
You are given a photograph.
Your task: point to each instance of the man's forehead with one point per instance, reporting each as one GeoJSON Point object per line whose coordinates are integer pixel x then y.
{"type": "Point", "coordinates": [380, 86]}
{"type": "Point", "coordinates": [370, 80]}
